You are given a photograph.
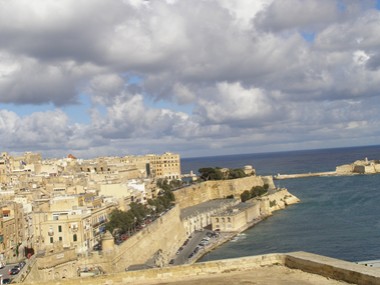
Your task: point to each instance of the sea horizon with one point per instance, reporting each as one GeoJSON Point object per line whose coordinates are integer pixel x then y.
{"type": "Point", "coordinates": [337, 216]}
{"type": "Point", "coordinates": [281, 151]}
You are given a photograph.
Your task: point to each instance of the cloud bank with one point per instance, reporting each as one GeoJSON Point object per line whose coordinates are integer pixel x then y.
{"type": "Point", "coordinates": [195, 77]}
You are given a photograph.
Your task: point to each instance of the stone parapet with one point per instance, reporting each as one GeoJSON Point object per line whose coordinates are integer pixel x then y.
{"type": "Point", "coordinates": [333, 268]}
{"type": "Point", "coordinates": [315, 264]}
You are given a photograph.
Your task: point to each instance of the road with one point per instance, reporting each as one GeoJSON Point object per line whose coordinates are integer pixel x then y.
{"type": "Point", "coordinates": [4, 271]}
{"type": "Point", "coordinates": [190, 251]}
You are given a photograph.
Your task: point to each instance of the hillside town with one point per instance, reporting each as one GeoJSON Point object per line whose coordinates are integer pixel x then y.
{"type": "Point", "coordinates": [67, 201]}
{"type": "Point", "coordinates": [71, 218]}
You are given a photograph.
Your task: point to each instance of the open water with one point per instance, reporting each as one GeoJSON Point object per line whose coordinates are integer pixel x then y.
{"type": "Point", "coordinates": [338, 216]}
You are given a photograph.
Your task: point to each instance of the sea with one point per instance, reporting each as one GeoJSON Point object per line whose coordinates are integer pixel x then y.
{"type": "Point", "coordinates": [337, 217]}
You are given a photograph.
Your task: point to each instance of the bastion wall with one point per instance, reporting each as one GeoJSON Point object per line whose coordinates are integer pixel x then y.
{"type": "Point", "coordinates": [209, 190]}
{"type": "Point", "coordinates": [279, 199]}
{"type": "Point", "coordinates": [164, 236]}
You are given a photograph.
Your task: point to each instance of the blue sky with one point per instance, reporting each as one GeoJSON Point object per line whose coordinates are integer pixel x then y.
{"type": "Point", "coordinates": [194, 77]}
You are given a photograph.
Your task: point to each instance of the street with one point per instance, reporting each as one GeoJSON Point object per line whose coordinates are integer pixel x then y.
{"type": "Point", "coordinates": [193, 247]}
{"type": "Point", "coordinates": [4, 271]}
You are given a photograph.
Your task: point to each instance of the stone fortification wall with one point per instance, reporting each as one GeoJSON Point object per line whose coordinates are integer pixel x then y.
{"type": "Point", "coordinates": [279, 199]}
{"type": "Point", "coordinates": [210, 190]}
{"type": "Point", "coordinates": [56, 265]}
{"type": "Point", "coordinates": [346, 168]}
{"type": "Point", "coordinates": [259, 208]}
{"type": "Point", "coordinates": [164, 235]}
{"type": "Point", "coordinates": [360, 166]}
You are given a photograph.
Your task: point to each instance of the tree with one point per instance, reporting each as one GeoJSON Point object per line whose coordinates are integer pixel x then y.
{"type": "Point", "coordinates": [138, 211]}
{"type": "Point", "coordinates": [165, 185]}
{"type": "Point", "coordinates": [236, 173]}
{"type": "Point", "coordinates": [209, 173]}
{"type": "Point", "coordinates": [246, 195]}
{"type": "Point", "coordinates": [120, 221]}
{"type": "Point", "coordinates": [258, 191]}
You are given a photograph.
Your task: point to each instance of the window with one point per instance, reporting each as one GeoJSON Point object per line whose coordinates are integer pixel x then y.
{"type": "Point", "coordinates": [75, 238]}
{"type": "Point", "coordinates": [59, 229]}
{"type": "Point", "coordinates": [60, 238]}
{"type": "Point", "coordinates": [51, 239]}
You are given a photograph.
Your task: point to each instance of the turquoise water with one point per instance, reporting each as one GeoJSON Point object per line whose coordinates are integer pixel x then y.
{"type": "Point", "coordinates": [338, 216]}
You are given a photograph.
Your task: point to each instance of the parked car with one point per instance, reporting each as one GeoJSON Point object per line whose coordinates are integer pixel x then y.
{"type": "Point", "coordinates": [21, 264]}
{"type": "Point", "coordinates": [7, 281]}
{"type": "Point", "coordinates": [124, 236]}
{"type": "Point", "coordinates": [14, 271]}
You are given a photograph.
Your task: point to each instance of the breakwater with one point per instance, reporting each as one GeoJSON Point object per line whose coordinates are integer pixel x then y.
{"type": "Point", "coordinates": [310, 174]}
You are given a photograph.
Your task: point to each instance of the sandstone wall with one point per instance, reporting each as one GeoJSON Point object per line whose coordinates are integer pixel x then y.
{"type": "Point", "coordinates": [333, 268]}
{"type": "Point", "coordinates": [346, 168]}
{"type": "Point", "coordinates": [279, 199]}
{"type": "Point", "coordinates": [57, 265]}
{"type": "Point", "coordinates": [209, 190]}
{"type": "Point", "coordinates": [166, 234]}
{"type": "Point", "coordinates": [264, 206]}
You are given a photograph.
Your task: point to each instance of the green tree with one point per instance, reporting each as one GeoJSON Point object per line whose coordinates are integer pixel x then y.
{"type": "Point", "coordinates": [138, 211]}
{"type": "Point", "coordinates": [257, 191]}
{"type": "Point", "coordinates": [246, 195]}
{"type": "Point", "coordinates": [236, 173]}
{"type": "Point", "coordinates": [209, 173]}
{"type": "Point", "coordinates": [119, 221]}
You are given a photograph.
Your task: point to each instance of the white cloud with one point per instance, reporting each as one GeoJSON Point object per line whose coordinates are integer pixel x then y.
{"type": "Point", "coordinates": [233, 104]}
{"type": "Point", "coordinates": [237, 68]}
{"type": "Point", "coordinates": [360, 57]}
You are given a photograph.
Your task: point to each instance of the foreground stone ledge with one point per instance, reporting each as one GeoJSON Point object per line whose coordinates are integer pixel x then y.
{"type": "Point", "coordinates": [310, 263]}
{"type": "Point", "coordinates": [333, 268]}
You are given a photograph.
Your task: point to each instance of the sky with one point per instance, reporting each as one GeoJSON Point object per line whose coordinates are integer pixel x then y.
{"type": "Point", "coordinates": [199, 78]}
